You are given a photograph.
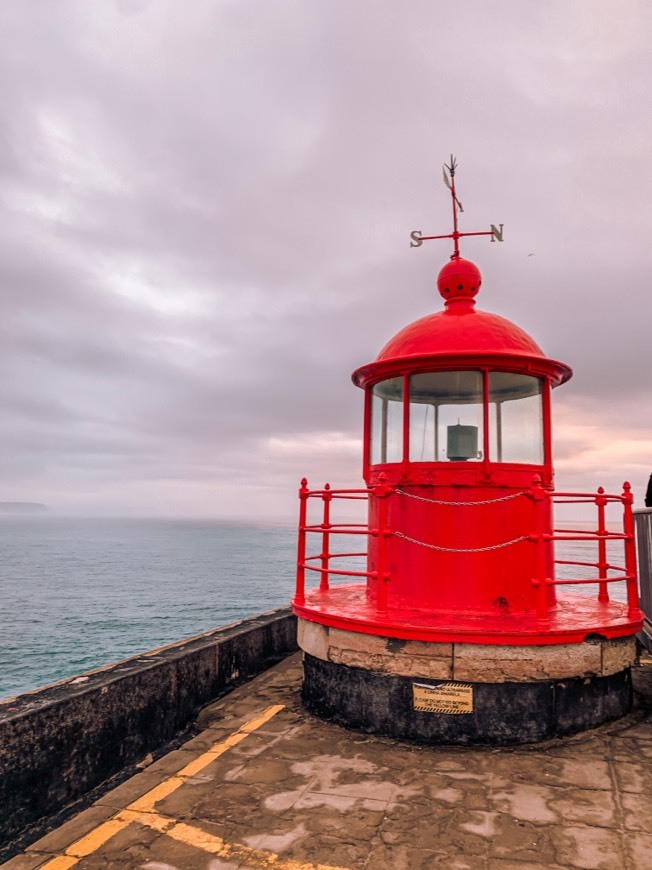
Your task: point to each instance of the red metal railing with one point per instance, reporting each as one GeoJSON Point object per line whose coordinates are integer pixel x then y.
{"type": "Point", "coordinates": [540, 537]}
{"type": "Point", "coordinates": [326, 529]}
{"type": "Point", "coordinates": [624, 573]}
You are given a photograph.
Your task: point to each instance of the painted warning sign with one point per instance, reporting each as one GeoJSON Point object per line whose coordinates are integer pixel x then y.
{"type": "Point", "coordinates": [443, 698]}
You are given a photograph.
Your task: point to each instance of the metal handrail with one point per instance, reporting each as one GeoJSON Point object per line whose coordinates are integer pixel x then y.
{"type": "Point", "coordinates": [578, 581]}
{"type": "Point", "coordinates": [327, 529]}
{"type": "Point", "coordinates": [601, 535]}
{"type": "Point", "coordinates": [643, 518]}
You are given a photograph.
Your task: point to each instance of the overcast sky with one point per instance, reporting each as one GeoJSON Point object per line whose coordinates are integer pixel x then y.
{"type": "Point", "coordinates": [205, 224]}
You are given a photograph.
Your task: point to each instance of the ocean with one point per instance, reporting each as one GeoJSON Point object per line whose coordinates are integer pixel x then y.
{"type": "Point", "coordinates": [76, 594]}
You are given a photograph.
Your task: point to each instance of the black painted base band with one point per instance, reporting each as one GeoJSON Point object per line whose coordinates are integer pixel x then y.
{"type": "Point", "coordinates": [503, 713]}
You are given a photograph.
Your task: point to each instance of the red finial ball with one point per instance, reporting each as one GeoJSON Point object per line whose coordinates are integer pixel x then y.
{"type": "Point", "coordinates": [459, 279]}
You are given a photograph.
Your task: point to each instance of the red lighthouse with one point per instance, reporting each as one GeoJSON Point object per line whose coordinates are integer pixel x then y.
{"type": "Point", "coordinates": [457, 628]}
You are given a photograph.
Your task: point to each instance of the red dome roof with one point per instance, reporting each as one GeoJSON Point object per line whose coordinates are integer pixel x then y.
{"type": "Point", "coordinates": [460, 335]}
{"type": "Point", "coordinates": [456, 332]}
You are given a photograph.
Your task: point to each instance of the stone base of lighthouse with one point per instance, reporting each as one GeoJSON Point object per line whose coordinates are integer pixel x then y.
{"type": "Point", "coordinates": [464, 693]}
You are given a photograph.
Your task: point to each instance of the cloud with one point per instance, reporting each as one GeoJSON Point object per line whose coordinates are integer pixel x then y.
{"type": "Point", "coordinates": [205, 221]}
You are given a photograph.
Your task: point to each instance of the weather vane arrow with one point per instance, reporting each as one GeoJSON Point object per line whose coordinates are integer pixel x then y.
{"type": "Point", "coordinates": [496, 232]}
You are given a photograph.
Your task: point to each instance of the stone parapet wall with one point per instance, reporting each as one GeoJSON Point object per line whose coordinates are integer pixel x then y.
{"type": "Point", "coordinates": [59, 743]}
{"type": "Point", "coordinates": [477, 663]}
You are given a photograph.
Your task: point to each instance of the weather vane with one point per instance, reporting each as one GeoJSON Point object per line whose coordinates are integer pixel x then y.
{"type": "Point", "coordinates": [416, 239]}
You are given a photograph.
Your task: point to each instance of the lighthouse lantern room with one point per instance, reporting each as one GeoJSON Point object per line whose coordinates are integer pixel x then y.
{"type": "Point", "coordinates": [457, 629]}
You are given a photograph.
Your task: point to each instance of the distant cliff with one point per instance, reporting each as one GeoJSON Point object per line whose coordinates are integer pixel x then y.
{"type": "Point", "coordinates": [22, 507]}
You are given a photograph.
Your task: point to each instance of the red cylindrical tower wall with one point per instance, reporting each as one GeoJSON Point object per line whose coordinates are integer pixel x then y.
{"type": "Point", "coordinates": [458, 565]}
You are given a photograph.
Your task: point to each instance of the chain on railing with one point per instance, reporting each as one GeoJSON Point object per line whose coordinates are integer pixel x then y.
{"type": "Point", "coordinates": [460, 503]}
{"type": "Point", "coordinates": [461, 549]}
{"type": "Point", "coordinates": [437, 501]}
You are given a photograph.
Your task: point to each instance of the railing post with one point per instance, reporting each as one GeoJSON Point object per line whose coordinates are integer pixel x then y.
{"type": "Point", "coordinates": [539, 495]}
{"type": "Point", "coordinates": [601, 501]}
{"type": "Point", "coordinates": [381, 491]}
{"type": "Point", "coordinates": [327, 497]}
{"type": "Point", "coordinates": [630, 552]}
{"type": "Point", "coordinates": [299, 595]}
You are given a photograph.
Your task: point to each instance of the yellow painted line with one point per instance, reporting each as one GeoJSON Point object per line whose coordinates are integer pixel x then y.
{"type": "Point", "coordinates": [92, 841]}
{"type": "Point", "coordinates": [87, 845]}
{"type": "Point", "coordinates": [151, 820]}
{"type": "Point", "coordinates": [263, 719]}
{"type": "Point", "coordinates": [199, 839]}
{"type": "Point", "coordinates": [146, 803]}
{"type": "Point", "coordinates": [193, 768]}
{"type": "Point", "coordinates": [184, 833]}
{"type": "Point", "coordinates": [61, 863]}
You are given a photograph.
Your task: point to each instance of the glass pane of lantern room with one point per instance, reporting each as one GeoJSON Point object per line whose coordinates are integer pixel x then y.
{"type": "Point", "coordinates": [446, 417]}
{"type": "Point", "coordinates": [516, 418]}
{"type": "Point", "coordinates": [387, 421]}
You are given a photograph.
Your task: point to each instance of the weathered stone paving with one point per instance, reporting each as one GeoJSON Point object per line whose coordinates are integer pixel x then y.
{"type": "Point", "coordinates": [265, 785]}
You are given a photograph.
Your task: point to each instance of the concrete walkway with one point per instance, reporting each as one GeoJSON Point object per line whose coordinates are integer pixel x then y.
{"type": "Point", "coordinates": [265, 785]}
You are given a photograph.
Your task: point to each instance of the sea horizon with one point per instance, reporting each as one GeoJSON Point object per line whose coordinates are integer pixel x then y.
{"type": "Point", "coordinates": [80, 592]}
